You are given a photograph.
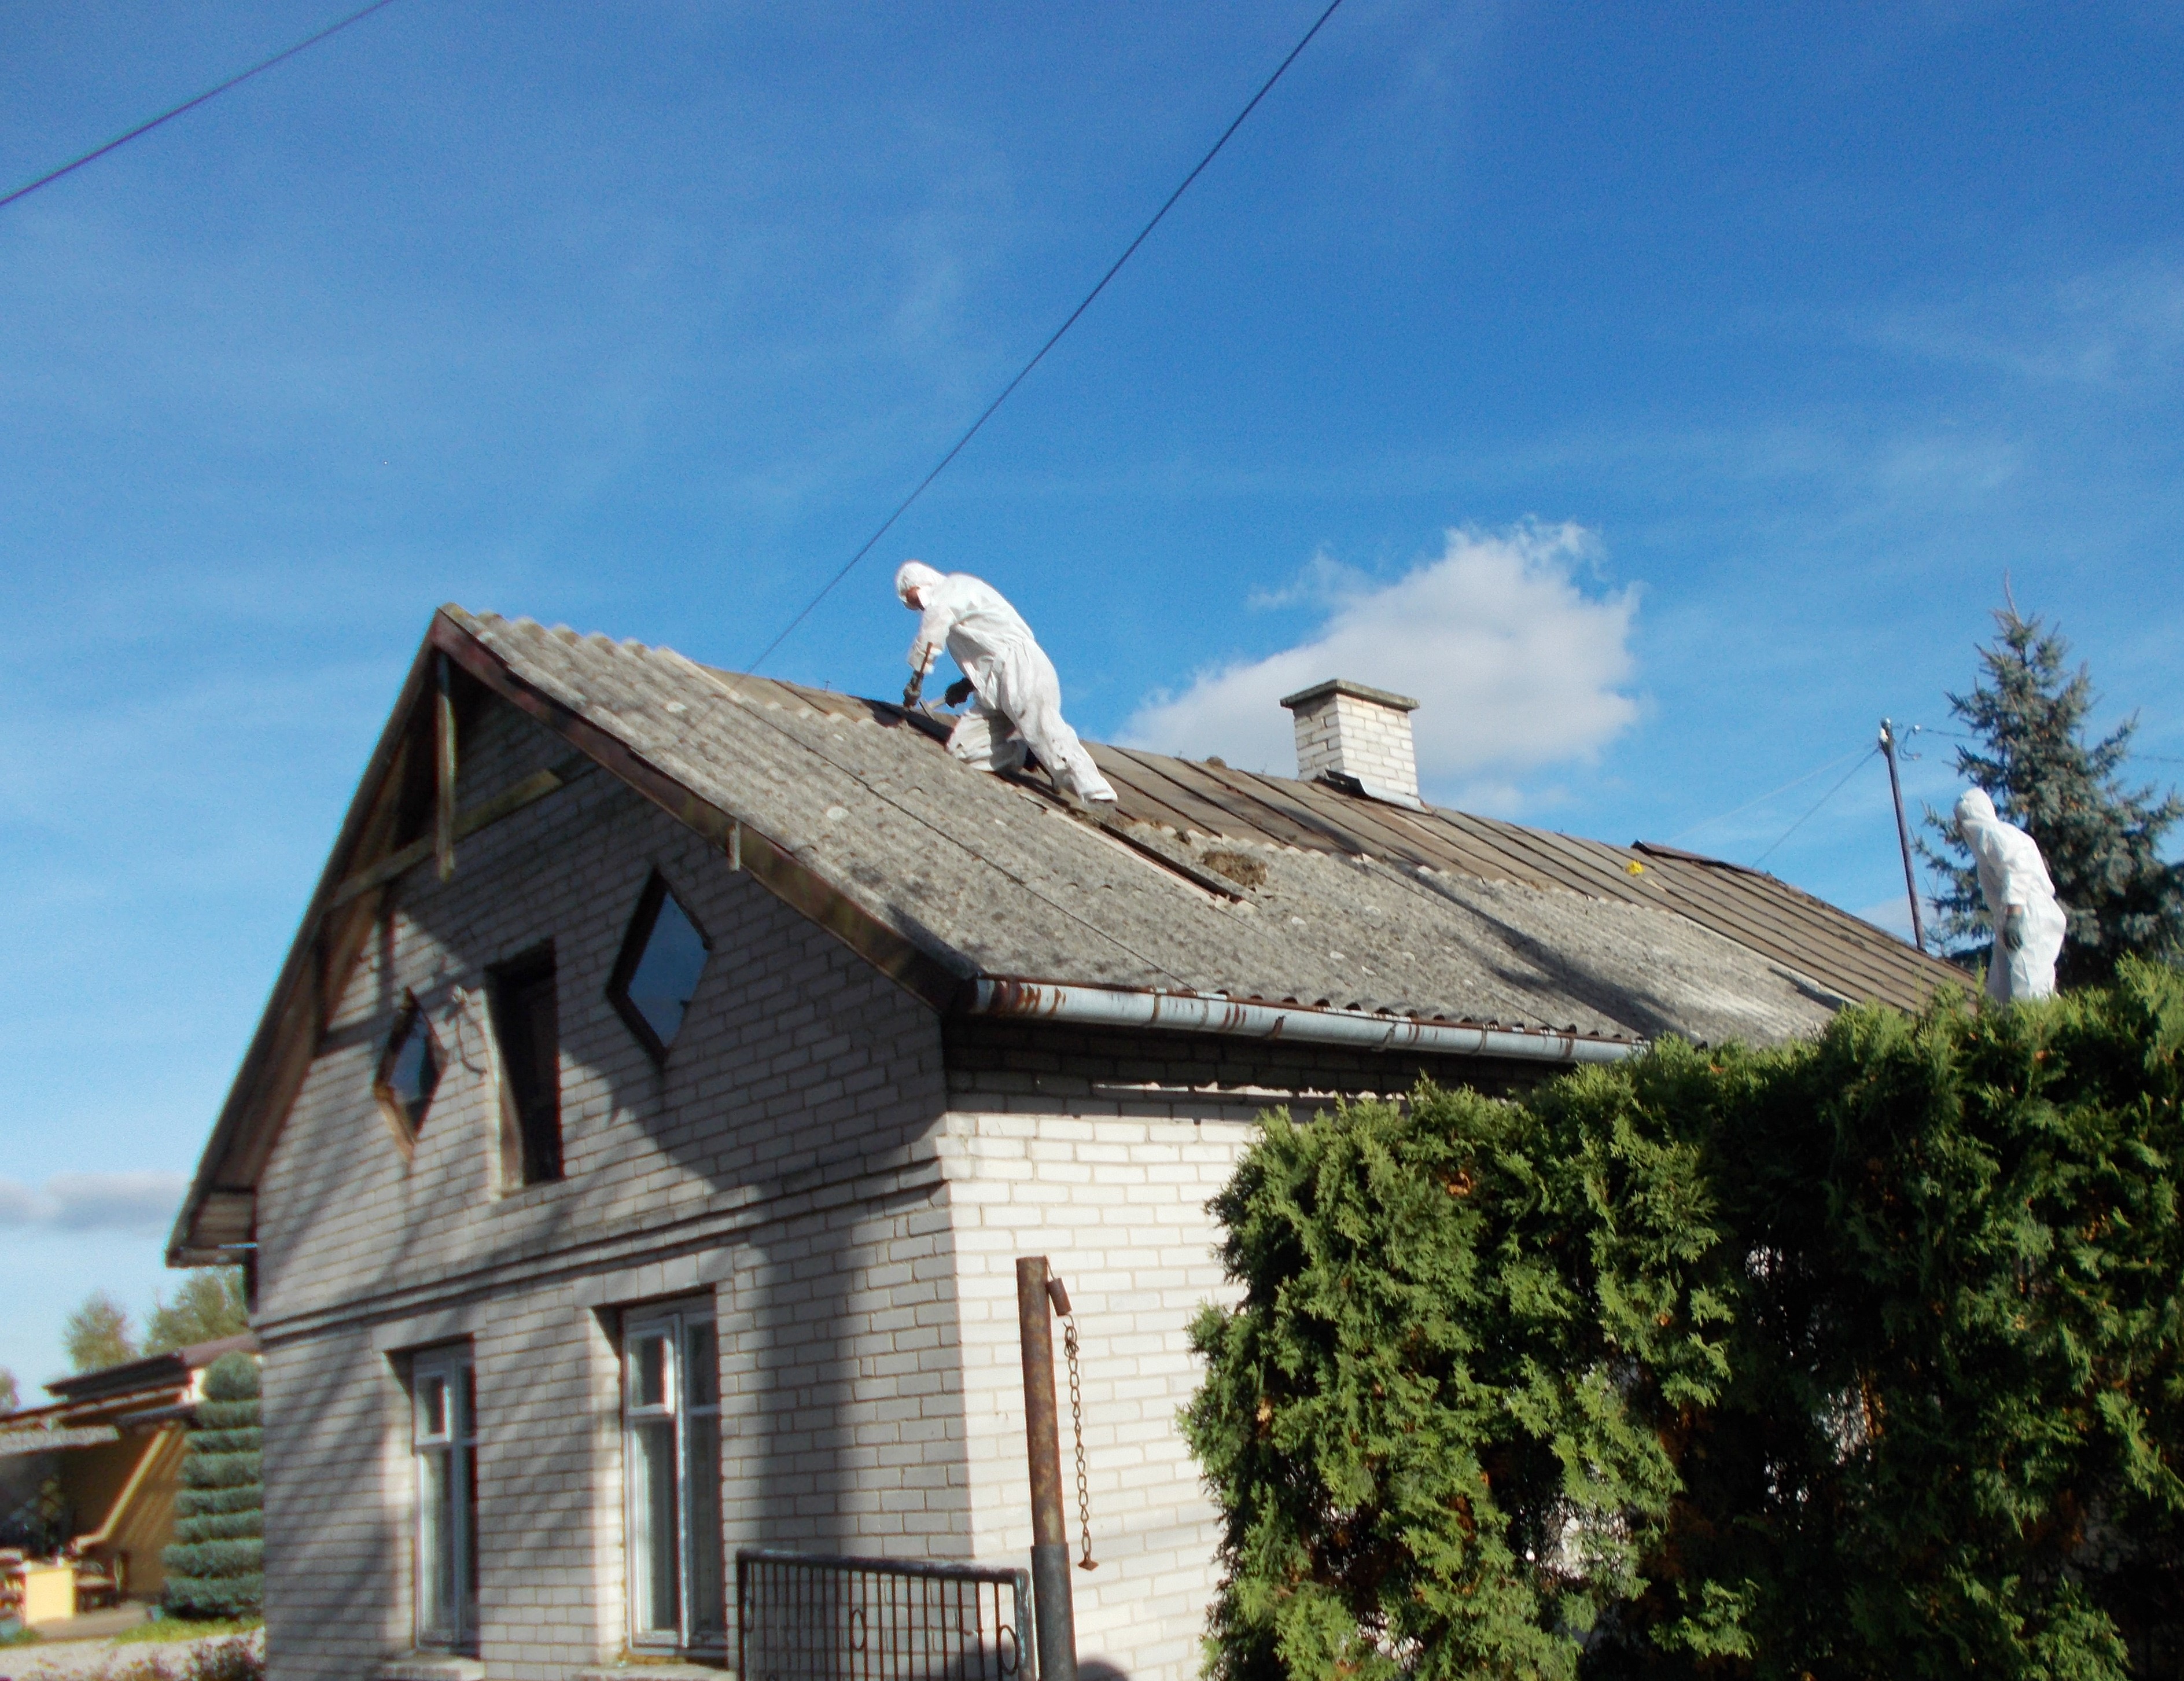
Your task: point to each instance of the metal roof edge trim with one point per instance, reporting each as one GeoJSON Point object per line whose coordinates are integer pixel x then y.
{"type": "Point", "coordinates": [1192, 1012]}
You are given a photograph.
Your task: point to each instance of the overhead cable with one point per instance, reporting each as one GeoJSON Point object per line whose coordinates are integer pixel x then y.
{"type": "Point", "coordinates": [123, 139]}
{"type": "Point", "coordinates": [1868, 753]}
{"type": "Point", "coordinates": [1770, 793]}
{"type": "Point", "coordinates": [1053, 338]}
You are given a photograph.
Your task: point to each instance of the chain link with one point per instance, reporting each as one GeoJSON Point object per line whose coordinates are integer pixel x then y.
{"type": "Point", "coordinates": [1077, 1419]}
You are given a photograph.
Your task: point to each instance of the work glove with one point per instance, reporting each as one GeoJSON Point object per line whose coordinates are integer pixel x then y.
{"type": "Point", "coordinates": [2013, 928]}
{"type": "Point", "coordinates": [958, 691]}
{"type": "Point", "coordinates": [913, 689]}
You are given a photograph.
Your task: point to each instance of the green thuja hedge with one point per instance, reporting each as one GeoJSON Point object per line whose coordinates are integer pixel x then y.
{"type": "Point", "coordinates": [216, 1566]}
{"type": "Point", "coordinates": [1856, 1358]}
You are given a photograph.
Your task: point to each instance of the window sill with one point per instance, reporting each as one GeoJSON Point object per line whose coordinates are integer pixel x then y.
{"type": "Point", "coordinates": [667, 1667]}
{"type": "Point", "coordinates": [432, 1667]}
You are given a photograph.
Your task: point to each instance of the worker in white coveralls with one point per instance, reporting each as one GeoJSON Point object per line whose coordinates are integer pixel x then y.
{"type": "Point", "coordinates": [2020, 901]}
{"type": "Point", "coordinates": [1018, 702]}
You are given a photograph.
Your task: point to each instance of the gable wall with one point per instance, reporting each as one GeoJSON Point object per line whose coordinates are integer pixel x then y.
{"type": "Point", "coordinates": [784, 1164]}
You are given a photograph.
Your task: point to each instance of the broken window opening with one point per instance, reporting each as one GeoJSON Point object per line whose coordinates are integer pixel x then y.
{"type": "Point", "coordinates": [526, 1023]}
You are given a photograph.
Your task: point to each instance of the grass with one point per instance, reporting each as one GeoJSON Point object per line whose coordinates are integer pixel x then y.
{"type": "Point", "coordinates": [168, 1629]}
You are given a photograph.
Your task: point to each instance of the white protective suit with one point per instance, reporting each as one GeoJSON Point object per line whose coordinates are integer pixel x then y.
{"type": "Point", "coordinates": [1018, 702]}
{"type": "Point", "coordinates": [2028, 922]}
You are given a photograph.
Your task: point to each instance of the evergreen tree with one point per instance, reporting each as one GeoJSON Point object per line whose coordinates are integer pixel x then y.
{"type": "Point", "coordinates": [2101, 839]}
{"type": "Point", "coordinates": [208, 1306]}
{"type": "Point", "coordinates": [96, 1334]}
{"type": "Point", "coordinates": [1856, 1357]}
{"type": "Point", "coordinates": [8, 1400]}
{"type": "Point", "coordinates": [216, 1566]}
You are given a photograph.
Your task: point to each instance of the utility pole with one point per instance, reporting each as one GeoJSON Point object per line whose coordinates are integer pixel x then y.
{"type": "Point", "coordinates": [1903, 833]}
{"type": "Point", "coordinates": [1052, 1605]}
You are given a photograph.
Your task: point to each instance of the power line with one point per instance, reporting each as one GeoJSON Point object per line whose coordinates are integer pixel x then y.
{"type": "Point", "coordinates": [29, 187]}
{"type": "Point", "coordinates": [1818, 803]}
{"type": "Point", "coordinates": [1023, 373]}
{"type": "Point", "coordinates": [1770, 793]}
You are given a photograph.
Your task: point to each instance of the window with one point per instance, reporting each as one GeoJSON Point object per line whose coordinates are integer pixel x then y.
{"type": "Point", "coordinates": [444, 1431]}
{"type": "Point", "coordinates": [656, 975]}
{"type": "Point", "coordinates": [409, 1073]}
{"type": "Point", "coordinates": [671, 1463]}
{"type": "Point", "coordinates": [527, 1022]}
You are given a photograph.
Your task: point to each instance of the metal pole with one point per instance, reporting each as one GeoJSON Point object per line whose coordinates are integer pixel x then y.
{"type": "Point", "coordinates": [1903, 833]}
{"type": "Point", "coordinates": [1050, 1533]}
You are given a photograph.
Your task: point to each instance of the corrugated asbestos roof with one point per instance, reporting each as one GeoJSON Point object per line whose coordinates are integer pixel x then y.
{"type": "Point", "coordinates": [1364, 905]}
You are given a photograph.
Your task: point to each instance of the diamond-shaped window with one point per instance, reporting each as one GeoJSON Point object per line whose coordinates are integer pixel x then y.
{"type": "Point", "coordinates": [409, 1073]}
{"type": "Point", "coordinates": [656, 975]}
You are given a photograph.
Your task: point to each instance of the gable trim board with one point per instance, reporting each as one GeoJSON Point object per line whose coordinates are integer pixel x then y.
{"type": "Point", "coordinates": [1821, 952]}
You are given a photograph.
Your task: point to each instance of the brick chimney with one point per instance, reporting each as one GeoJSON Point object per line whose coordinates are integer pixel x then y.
{"type": "Point", "coordinates": [1360, 737]}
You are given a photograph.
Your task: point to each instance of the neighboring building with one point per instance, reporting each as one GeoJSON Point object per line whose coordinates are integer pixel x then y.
{"type": "Point", "coordinates": [89, 1481]}
{"type": "Point", "coordinates": [635, 1151]}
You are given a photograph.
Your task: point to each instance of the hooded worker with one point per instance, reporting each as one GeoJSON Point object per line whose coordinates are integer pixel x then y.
{"type": "Point", "coordinates": [1019, 695]}
{"type": "Point", "coordinates": [2021, 908]}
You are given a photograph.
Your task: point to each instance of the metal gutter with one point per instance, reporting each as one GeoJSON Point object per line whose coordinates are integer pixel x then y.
{"type": "Point", "coordinates": [1360, 1030]}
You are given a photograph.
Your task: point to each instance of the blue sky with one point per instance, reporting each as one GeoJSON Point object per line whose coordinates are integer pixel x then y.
{"type": "Point", "coordinates": [1661, 393]}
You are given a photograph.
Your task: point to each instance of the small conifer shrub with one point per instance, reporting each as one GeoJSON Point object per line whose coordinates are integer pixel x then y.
{"type": "Point", "coordinates": [216, 1565]}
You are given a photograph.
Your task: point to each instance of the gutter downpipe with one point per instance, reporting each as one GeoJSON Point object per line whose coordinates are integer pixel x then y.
{"type": "Point", "coordinates": [1199, 1013]}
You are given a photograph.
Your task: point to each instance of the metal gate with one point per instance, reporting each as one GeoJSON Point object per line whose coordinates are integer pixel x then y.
{"type": "Point", "coordinates": [807, 1617]}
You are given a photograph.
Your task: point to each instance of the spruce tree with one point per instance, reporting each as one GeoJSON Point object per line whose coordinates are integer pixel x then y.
{"type": "Point", "coordinates": [216, 1566]}
{"type": "Point", "coordinates": [2102, 841]}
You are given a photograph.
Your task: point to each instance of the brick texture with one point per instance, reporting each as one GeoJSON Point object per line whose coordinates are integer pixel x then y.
{"type": "Point", "coordinates": [849, 1185]}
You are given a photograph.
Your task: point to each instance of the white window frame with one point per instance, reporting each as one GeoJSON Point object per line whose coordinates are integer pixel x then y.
{"type": "Point", "coordinates": [448, 1442]}
{"type": "Point", "coordinates": [677, 1330]}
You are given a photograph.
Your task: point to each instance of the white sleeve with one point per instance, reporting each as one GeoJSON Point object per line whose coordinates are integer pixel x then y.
{"type": "Point", "coordinates": [932, 634]}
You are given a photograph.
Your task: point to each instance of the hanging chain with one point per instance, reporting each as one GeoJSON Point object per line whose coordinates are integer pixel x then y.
{"type": "Point", "coordinates": [1077, 1419]}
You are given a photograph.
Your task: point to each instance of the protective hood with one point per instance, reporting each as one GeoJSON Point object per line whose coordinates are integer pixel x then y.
{"type": "Point", "coordinates": [912, 575]}
{"type": "Point", "coordinates": [1974, 804]}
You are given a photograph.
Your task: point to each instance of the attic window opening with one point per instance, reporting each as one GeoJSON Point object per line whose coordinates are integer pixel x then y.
{"type": "Point", "coordinates": [663, 957]}
{"type": "Point", "coordinates": [527, 1022]}
{"type": "Point", "coordinates": [409, 1073]}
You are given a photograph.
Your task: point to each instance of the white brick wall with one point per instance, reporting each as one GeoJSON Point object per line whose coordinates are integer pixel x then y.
{"type": "Point", "coordinates": [1119, 1207]}
{"type": "Point", "coordinates": [800, 1158]}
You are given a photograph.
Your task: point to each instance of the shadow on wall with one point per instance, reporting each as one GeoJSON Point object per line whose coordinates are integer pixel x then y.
{"type": "Point", "coordinates": [798, 1070]}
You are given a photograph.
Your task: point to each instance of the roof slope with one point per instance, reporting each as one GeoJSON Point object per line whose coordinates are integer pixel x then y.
{"type": "Point", "coordinates": [1363, 905]}
{"type": "Point", "coordinates": [852, 811]}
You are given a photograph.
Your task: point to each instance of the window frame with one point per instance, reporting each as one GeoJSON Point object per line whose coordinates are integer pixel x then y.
{"type": "Point", "coordinates": [407, 1129]}
{"type": "Point", "coordinates": [533, 1148]}
{"type": "Point", "coordinates": [671, 1325]}
{"type": "Point", "coordinates": [658, 889]}
{"type": "Point", "coordinates": [454, 1368]}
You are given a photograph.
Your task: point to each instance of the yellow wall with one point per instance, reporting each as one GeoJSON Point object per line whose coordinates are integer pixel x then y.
{"type": "Point", "coordinates": [92, 1478]}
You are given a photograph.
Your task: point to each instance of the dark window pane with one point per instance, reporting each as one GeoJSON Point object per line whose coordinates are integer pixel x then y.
{"type": "Point", "coordinates": [526, 1020]}
{"type": "Point", "coordinates": [708, 1599]}
{"type": "Point", "coordinates": [657, 974]}
{"type": "Point", "coordinates": [701, 1366]}
{"type": "Point", "coordinates": [667, 973]}
{"type": "Point", "coordinates": [659, 1586]}
{"type": "Point", "coordinates": [409, 1072]}
{"type": "Point", "coordinates": [650, 1387]}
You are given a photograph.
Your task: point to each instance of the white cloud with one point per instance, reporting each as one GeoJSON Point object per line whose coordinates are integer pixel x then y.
{"type": "Point", "coordinates": [1513, 664]}
{"type": "Point", "coordinates": [93, 1202]}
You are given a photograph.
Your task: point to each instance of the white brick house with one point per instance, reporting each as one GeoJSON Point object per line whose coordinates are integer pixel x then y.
{"type": "Point", "coordinates": [633, 1158]}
